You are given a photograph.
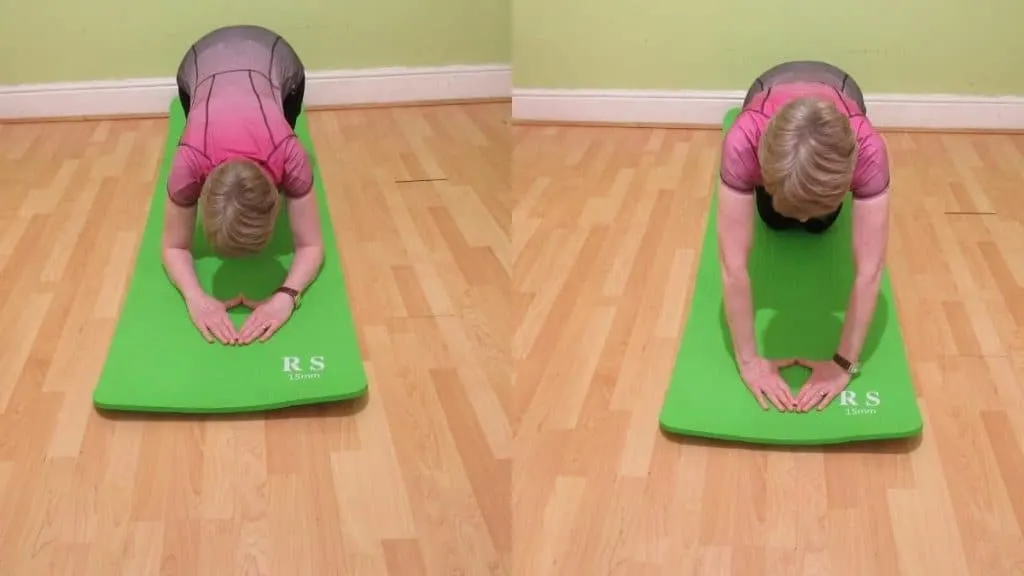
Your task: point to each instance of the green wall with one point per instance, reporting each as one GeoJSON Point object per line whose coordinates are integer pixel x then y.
{"type": "Point", "coordinates": [946, 46]}
{"type": "Point", "coordinates": [76, 40]}
{"type": "Point", "coordinates": [908, 46]}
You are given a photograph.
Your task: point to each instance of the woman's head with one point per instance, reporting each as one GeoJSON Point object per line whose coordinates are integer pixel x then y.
{"type": "Point", "coordinates": [238, 207]}
{"type": "Point", "coordinates": [807, 155]}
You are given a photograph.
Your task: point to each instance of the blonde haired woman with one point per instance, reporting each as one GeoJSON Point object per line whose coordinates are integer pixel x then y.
{"type": "Point", "coordinates": [800, 144]}
{"type": "Point", "coordinates": [241, 88]}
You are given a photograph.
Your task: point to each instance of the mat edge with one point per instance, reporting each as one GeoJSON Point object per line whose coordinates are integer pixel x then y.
{"type": "Point", "coordinates": [728, 117]}
{"type": "Point", "coordinates": [777, 441]}
{"type": "Point", "coordinates": [163, 169]}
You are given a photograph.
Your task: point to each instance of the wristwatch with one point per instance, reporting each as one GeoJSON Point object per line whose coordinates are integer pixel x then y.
{"type": "Point", "coordinates": [295, 294]}
{"type": "Point", "coordinates": [851, 368]}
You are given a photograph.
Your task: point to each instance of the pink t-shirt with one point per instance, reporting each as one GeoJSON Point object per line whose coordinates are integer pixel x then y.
{"type": "Point", "coordinates": [741, 169]}
{"type": "Point", "coordinates": [227, 122]}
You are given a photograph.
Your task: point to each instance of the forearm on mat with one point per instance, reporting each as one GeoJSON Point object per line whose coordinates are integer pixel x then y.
{"type": "Point", "coordinates": [735, 238]}
{"type": "Point", "coordinates": [870, 240]}
{"type": "Point", "coordinates": [739, 312]}
{"type": "Point", "coordinates": [181, 270]}
{"type": "Point", "coordinates": [859, 312]}
{"type": "Point", "coordinates": [305, 267]}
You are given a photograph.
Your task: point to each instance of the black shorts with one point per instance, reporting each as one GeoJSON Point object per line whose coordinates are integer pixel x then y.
{"type": "Point", "coordinates": [250, 56]}
{"type": "Point", "coordinates": [807, 71]}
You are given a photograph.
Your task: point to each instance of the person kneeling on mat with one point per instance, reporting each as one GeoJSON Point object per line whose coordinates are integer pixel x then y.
{"type": "Point", "coordinates": [241, 88]}
{"type": "Point", "coordinates": [800, 143]}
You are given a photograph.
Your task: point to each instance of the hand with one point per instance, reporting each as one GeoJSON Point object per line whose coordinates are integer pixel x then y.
{"type": "Point", "coordinates": [826, 382]}
{"type": "Point", "coordinates": [764, 381]}
{"type": "Point", "coordinates": [210, 316]}
{"type": "Point", "coordinates": [266, 318]}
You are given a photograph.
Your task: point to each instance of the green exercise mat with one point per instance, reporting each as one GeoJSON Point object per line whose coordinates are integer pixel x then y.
{"type": "Point", "coordinates": [801, 283]}
{"type": "Point", "coordinates": [159, 362]}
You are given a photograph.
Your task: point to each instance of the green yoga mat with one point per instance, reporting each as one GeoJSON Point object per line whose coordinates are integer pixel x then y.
{"type": "Point", "coordinates": [159, 362]}
{"type": "Point", "coordinates": [801, 284]}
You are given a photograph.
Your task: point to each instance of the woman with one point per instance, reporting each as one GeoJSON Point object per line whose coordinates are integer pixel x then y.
{"type": "Point", "coordinates": [801, 142]}
{"type": "Point", "coordinates": [241, 89]}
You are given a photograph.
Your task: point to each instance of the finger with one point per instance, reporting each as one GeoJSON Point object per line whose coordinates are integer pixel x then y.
{"type": "Point", "coordinates": [825, 400]}
{"type": "Point", "coordinates": [780, 384]}
{"type": "Point", "coordinates": [248, 331]}
{"type": "Point", "coordinates": [260, 330]}
{"type": "Point", "coordinates": [218, 330]}
{"type": "Point", "coordinates": [250, 323]}
{"type": "Point", "coordinates": [207, 335]}
{"type": "Point", "coordinates": [773, 396]}
{"type": "Point", "coordinates": [786, 395]}
{"type": "Point", "coordinates": [812, 398]}
{"type": "Point", "coordinates": [802, 394]}
{"type": "Point", "coordinates": [760, 399]}
{"type": "Point", "coordinates": [271, 328]}
{"type": "Point", "coordinates": [229, 329]}
{"type": "Point", "coordinates": [254, 327]}
{"type": "Point", "coordinates": [805, 392]}
{"type": "Point", "coordinates": [232, 302]}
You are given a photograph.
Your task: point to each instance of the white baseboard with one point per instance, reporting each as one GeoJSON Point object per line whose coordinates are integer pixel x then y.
{"type": "Point", "coordinates": [326, 88]}
{"type": "Point", "coordinates": [707, 107]}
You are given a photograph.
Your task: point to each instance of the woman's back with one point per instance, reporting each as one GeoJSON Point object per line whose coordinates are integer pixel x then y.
{"type": "Point", "coordinates": [248, 60]}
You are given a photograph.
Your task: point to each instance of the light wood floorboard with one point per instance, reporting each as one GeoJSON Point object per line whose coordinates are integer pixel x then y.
{"type": "Point", "coordinates": [562, 257]}
{"type": "Point", "coordinates": [607, 233]}
{"type": "Point", "coordinates": [414, 480]}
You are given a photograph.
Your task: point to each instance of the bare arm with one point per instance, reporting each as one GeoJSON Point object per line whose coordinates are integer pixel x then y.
{"type": "Point", "coordinates": [870, 240]}
{"type": "Point", "coordinates": [304, 218]}
{"type": "Point", "coordinates": [735, 235]}
{"type": "Point", "coordinates": [179, 228]}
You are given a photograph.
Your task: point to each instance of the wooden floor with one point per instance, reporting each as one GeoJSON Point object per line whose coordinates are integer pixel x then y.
{"type": "Point", "coordinates": [574, 279]}
{"type": "Point", "coordinates": [607, 230]}
{"type": "Point", "coordinates": [416, 481]}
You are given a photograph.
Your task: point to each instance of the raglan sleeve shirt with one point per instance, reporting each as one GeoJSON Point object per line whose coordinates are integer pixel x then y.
{"type": "Point", "coordinates": [871, 176]}
{"type": "Point", "coordinates": [740, 168]}
{"type": "Point", "coordinates": [297, 175]}
{"type": "Point", "coordinates": [185, 180]}
{"type": "Point", "coordinates": [189, 168]}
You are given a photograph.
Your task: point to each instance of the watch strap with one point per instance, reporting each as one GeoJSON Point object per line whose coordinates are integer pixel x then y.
{"type": "Point", "coordinates": [290, 292]}
{"type": "Point", "coordinates": [845, 364]}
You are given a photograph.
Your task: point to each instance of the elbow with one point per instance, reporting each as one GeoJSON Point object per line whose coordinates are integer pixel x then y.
{"type": "Point", "coordinates": [166, 254]}
{"type": "Point", "coordinates": [169, 255]}
{"type": "Point", "coordinates": [734, 274]}
{"type": "Point", "coordinates": [870, 275]}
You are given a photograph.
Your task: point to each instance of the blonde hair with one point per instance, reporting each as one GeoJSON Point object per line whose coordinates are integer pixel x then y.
{"type": "Point", "coordinates": [808, 153]}
{"type": "Point", "coordinates": [238, 207]}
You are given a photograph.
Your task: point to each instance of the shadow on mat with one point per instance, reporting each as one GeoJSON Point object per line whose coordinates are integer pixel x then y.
{"type": "Point", "coordinates": [892, 446]}
{"type": "Point", "coordinates": [256, 277]}
{"type": "Point", "coordinates": [804, 296]}
{"type": "Point", "coordinates": [337, 409]}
